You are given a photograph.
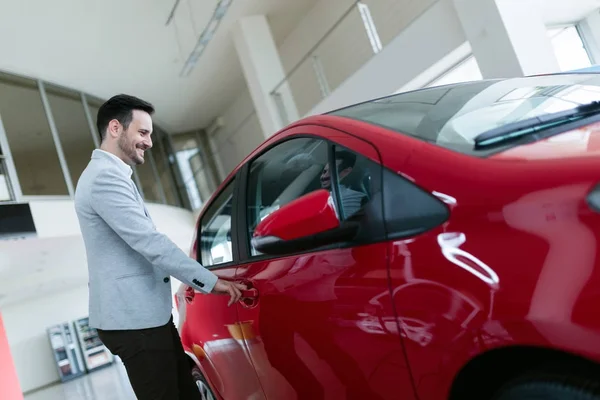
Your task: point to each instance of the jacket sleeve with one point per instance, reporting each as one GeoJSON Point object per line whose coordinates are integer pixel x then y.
{"type": "Point", "coordinates": [114, 199]}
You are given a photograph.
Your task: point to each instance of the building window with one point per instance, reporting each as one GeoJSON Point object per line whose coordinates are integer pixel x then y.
{"type": "Point", "coordinates": [187, 174]}
{"type": "Point", "coordinates": [164, 168]}
{"type": "Point", "coordinates": [569, 48]}
{"type": "Point", "coordinates": [194, 168]}
{"type": "Point", "coordinates": [5, 188]}
{"type": "Point", "coordinates": [73, 129]}
{"type": "Point", "coordinates": [30, 139]}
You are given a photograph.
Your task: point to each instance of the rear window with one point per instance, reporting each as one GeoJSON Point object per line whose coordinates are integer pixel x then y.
{"type": "Point", "coordinates": [452, 116]}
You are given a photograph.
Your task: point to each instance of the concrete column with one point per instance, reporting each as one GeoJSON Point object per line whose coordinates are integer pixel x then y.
{"type": "Point", "coordinates": [263, 71]}
{"type": "Point", "coordinates": [508, 37]}
{"type": "Point", "coordinates": [9, 381]}
{"type": "Point", "coordinates": [220, 173]}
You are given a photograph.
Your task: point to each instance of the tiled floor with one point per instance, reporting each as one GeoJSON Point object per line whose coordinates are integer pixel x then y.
{"type": "Point", "coordinates": [109, 383]}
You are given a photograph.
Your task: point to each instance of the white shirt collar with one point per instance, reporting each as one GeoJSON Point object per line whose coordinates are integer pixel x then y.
{"type": "Point", "coordinates": [99, 153]}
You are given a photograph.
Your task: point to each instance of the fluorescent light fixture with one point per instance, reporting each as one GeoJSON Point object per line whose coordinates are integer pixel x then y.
{"type": "Point", "coordinates": [370, 27]}
{"type": "Point", "coordinates": [172, 13]}
{"type": "Point", "coordinates": [205, 37]}
{"type": "Point", "coordinates": [212, 25]}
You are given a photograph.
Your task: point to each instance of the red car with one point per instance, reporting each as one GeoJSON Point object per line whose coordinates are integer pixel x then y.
{"type": "Point", "coordinates": [436, 244]}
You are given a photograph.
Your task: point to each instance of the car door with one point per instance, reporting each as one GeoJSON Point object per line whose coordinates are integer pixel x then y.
{"type": "Point", "coordinates": [320, 323]}
{"type": "Point", "coordinates": [208, 325]}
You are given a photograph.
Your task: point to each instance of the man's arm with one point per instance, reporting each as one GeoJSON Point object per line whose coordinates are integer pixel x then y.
{"type": "Point", "coordinates": [112, 197]}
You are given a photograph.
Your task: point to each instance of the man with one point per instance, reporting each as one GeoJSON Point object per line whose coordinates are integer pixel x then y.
{"type": "Point", "coordinates": [352, 200]}
{"type": "Point", "coordinates": [129, 262]}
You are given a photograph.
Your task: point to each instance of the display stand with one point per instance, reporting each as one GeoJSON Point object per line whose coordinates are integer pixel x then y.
{"type": "Point", "coordinates": [66, 350]}
{"type": "Point", "coordinates": [95, 354]}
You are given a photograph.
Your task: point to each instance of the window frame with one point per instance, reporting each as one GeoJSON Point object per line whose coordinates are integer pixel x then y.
{"type": "Point", "coordinates": [4, 172]}
{"type": "Point", "coordinates": [234, 180]}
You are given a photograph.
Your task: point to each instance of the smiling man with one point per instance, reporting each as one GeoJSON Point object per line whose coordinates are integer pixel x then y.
{"type": "Point", "coordinates": [130, 262]}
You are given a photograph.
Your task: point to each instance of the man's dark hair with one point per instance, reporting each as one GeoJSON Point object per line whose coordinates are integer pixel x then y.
{"type": "Point", "coordinates": [120, 107]}
{"type": "Point", "coordinates": [348, 159]}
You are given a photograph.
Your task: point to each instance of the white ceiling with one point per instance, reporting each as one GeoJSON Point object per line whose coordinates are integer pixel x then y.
{"type": "Point", "coordinates": [115, 46]}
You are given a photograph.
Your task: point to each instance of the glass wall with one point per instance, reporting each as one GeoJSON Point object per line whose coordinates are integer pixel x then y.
{"type": "Point", "coordinates": [73, 129]}
{"type": "Point", "coordinates": [30, 138]}
{"type": "Point", "coordinates": [164, 166]}
{"type": "Point", "coordinates": [51, 132]}
{"type": "Point", "coordinates": [151, 187]}
{"type": "Point", "coordinates": [5, 187]}
{"type": "Point", "coordinates": [196, 177]}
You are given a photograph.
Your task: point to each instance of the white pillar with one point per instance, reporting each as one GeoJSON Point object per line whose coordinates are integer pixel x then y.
{"type": "Point", "coordinates": [214, 150]}
{"type": "Point", "coordinates": [508, 37]}
{"type": "Point", "coordinates": [263, 71]}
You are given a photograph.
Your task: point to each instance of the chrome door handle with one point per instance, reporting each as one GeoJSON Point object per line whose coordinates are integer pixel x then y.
{"type": "Point", "coordinates": [249, 298]}
{"type": "Point", "coordinates": [250, 294]}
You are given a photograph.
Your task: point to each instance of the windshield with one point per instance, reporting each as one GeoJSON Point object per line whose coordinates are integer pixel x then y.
{"type": "Point", "coordinates": [452, 116]}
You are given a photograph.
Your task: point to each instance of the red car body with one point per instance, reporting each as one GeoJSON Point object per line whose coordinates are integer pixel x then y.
{"type": "Point", "coordinates": [506, 283]}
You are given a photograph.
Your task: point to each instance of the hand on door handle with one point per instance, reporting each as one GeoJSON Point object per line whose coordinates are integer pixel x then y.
{"type": "Point", "coordinates": [189, 294]}
{"type": "Point", "coordinates": [249, 298]}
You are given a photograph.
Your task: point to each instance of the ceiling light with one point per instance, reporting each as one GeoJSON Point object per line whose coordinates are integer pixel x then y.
{"type": "Point", "coordinates": [205, 37]}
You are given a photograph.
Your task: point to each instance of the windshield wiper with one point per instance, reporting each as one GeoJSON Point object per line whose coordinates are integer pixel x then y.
{"type": "Point", "coordinates": [533, 125]}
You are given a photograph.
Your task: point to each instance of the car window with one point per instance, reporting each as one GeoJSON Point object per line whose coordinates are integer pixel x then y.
{"type": "Point", "coordinates": [452, 116]}
{"type": "Point", "coordinates": [215, 230]}
{"type": "Point", "coordinates": [297, 167]}
{"type": "Point", "coordinates": [282, 174]}
{"type": "Point", "coordinates": [353, 181]}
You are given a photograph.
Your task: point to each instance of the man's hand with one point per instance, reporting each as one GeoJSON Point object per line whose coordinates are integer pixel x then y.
{"type": "Point", "coordinates": [233, 289]}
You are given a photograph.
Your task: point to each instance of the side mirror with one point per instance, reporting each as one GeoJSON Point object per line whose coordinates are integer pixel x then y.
{"type": "Point", "coordinates": [306, 223]}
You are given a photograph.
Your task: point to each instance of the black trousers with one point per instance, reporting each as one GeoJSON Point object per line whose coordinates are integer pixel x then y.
{"type": "Point", "coordinates": [155, 361]}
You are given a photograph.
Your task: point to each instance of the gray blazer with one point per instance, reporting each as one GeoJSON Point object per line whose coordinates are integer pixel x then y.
{"type": "Point", "coordinates": [129, 262]}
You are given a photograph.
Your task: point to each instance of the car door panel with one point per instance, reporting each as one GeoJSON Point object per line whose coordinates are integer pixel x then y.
{"type": "Point", "coordinates": [208, 326]}
{"type": "Point", "coordinates": [315, 331]}
{"type": "Point", "coordinates": [217, 345]}
{"type": "Point", "coordinates": [323, 324]}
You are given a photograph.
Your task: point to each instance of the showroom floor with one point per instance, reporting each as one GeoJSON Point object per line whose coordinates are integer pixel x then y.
{"type": "Point", "coordinates": [105, 384]}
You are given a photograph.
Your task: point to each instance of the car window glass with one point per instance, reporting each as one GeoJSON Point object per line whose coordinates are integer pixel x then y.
{"type": "Point", "coordinates": [452, 116]}
{"type": "Point", "coordinates": [215, 235]}
{"type": "Point", "coordinates": [353, 181]}
{"type": "Point", "coordinates": [282, 174]}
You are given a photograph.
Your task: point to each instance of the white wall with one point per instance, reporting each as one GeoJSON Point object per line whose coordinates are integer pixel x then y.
{"type": "Point", "coordinates": [346, 49]}
{"type": "Point", "coordinates": [54, 218]}
{"type": "Point", "coordinates": [240, 134]}
{"type": "Point", "coordinates": [26, 325]}
{"type": "Point", "coordinates": [303, 82]}
{"type": "Point", "coordinates": [310, 29]}
{"type": "Point", "coordinates": [432, 36]}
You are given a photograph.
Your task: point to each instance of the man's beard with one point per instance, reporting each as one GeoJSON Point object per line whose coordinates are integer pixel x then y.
{"type": "Point", "coordinates": [129, 150]}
